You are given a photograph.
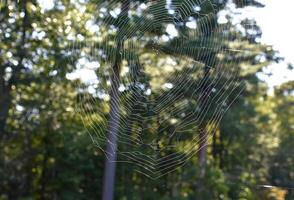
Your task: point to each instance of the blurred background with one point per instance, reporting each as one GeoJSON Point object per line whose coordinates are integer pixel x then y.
{"type": "Point", "coordinates": [53, 53]}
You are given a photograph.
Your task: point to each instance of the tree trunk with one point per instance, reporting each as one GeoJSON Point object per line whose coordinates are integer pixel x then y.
{"type": "Point", "coordinates": [113, 123]}
{"type": "Point", "coordinates": [29, 163]}
{"type": "Point", "coordinates": [221, 151]}
{"type": "Point", "coordinates": [202, 151]}
{"type": "Point", "coordinates": [214, 146]}
{"type": "Point", "coordinates": [202, 146]}
{"type": "Point", "coordinates": [44, 174]}
{"type": "Point", "coordinates": [5, 88]}
{"type": "Point", "coordinates": [5, 101]}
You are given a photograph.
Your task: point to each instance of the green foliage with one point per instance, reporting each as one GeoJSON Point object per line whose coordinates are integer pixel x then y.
{"type": "Point", "coordinates": [47, 153]}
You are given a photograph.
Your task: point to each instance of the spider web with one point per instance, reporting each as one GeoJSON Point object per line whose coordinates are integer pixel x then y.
{"type": "Point", "coordinates": [174, 82]}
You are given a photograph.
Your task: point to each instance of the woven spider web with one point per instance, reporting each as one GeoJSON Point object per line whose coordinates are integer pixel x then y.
{"type": "Point", "coordinates": [179, 74]}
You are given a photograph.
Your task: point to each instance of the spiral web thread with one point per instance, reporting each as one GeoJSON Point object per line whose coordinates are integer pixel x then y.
{"type": "Point", "coordinates": [156, 133]}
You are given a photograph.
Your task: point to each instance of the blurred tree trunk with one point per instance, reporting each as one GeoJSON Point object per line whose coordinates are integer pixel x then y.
{"type": "Point", "coordinates": [28, 154]}
{"type": "Point", "coordinates": [214, 146]}
{"type": "Point", "coordinates": [202, 151]}
{"type": "Point", "coordinates": [113, 123]}
{"type": "Point", "coordinates": [5, 101]}
{"type": "Point", "coordinates": [46, 148]}
{"type": "Point", "coordinates": [202, 145]}
{"type": "Point", "coordinates": [221, 151]}
{"type": "Point", "coordinates": [4, 90]}
{"type": "Point", "coordinates": [6, 86]}
{"type": "Point", "coordinates": [44, 174]}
